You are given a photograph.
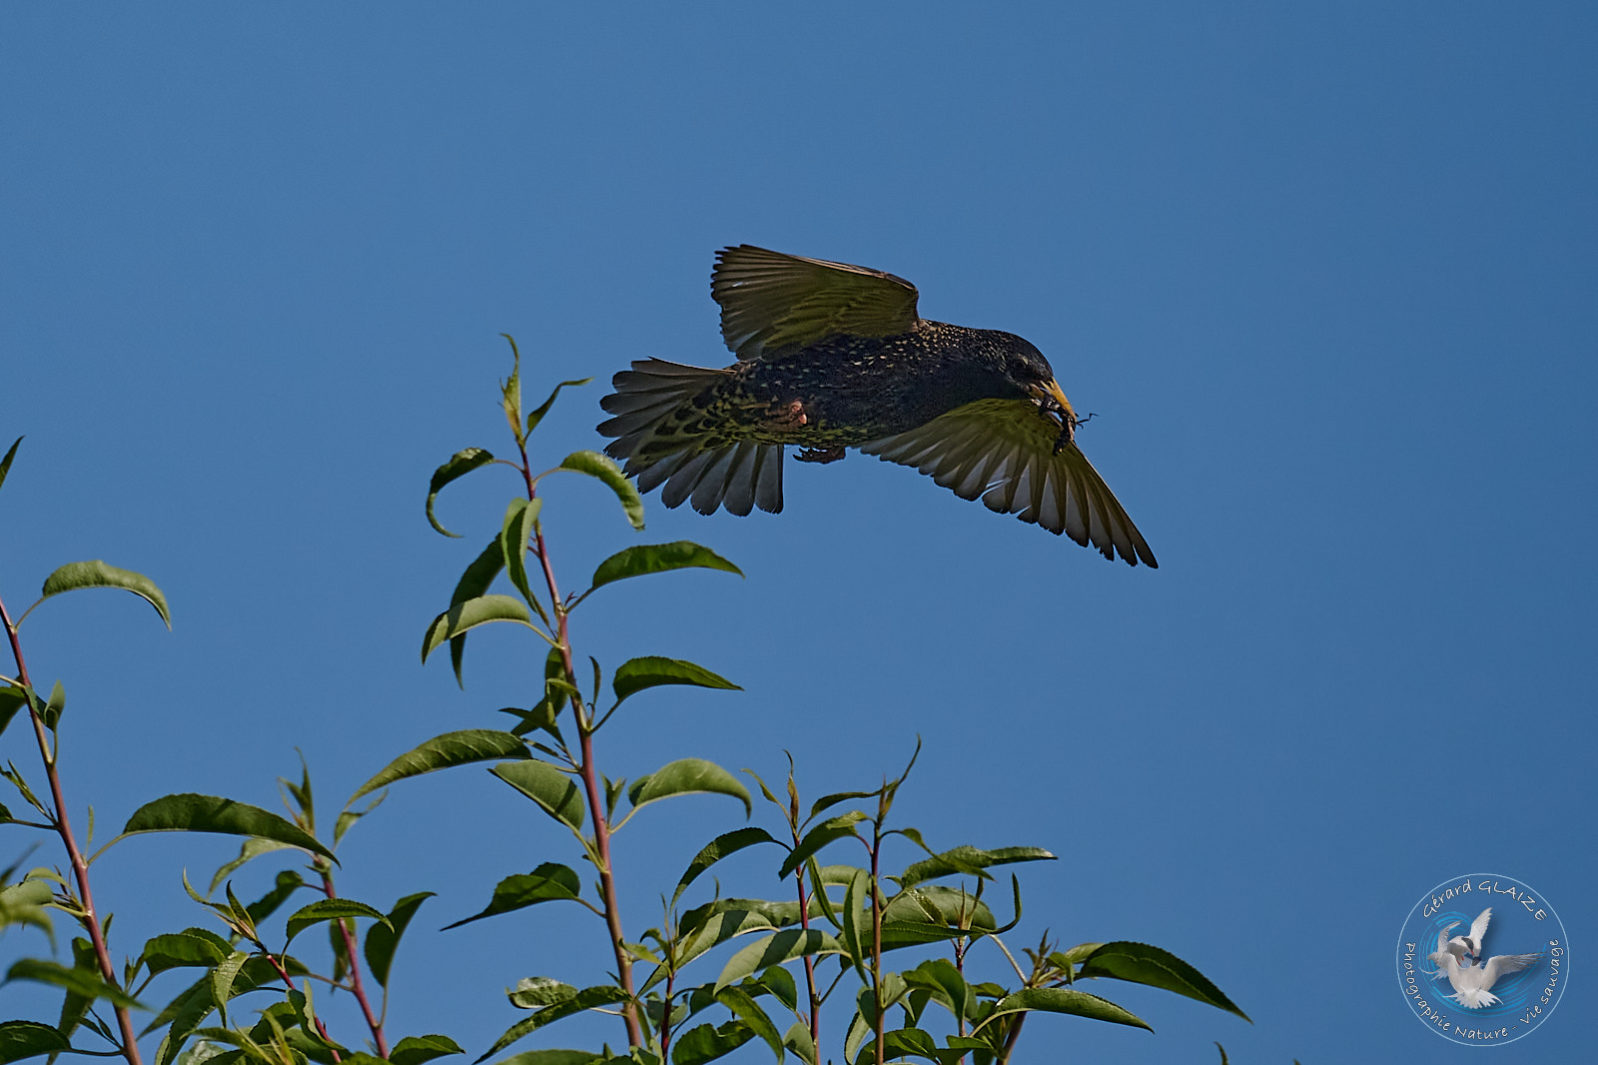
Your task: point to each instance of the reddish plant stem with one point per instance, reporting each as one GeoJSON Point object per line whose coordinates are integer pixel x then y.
{"type": "Point", "coordinates": [357, 987]}
{"type": "Point", "coordinates": [1010, 1039]}
{"type": "Point", "coordinates": [590, 774]}
{"type": "Point", "coordinates": [665, 1015]}
{"type": "Point", "coordinates": [809, 959]}
{"type": "Point", "coordinates": [288, 982]}
{"type": "Point", "coordinates": [80, 867]}
{"type": "Point", "coordinates": [607, 882]}
{"type": "Point", "coordinates": [876, 930]}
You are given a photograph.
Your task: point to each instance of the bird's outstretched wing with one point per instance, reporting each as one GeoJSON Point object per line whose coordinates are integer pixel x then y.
{"type": "Point", "coordinates": [1478, 929]}
{"type": "Point", "coordinates": [1505, 964]}
{"type": "Point", "coordinates": [1004, 451]}
{"type": "Point", "coordinates": [1442, 938]}
{"type": "Point", "coordinates": [771, 302]}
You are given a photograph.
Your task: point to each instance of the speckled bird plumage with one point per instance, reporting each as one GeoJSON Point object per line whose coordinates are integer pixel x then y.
{"type": "Point", "coordinates": [833, 356]}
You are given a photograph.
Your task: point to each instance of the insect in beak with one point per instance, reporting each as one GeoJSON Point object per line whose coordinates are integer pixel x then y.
{"type": "Point", "coordinates": [1051, 399]}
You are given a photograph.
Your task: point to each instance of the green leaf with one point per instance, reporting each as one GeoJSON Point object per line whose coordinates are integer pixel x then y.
{"type": "Point", "coordinates": [443, 752]}
{"type": "Point", "coordinates": [613, 790]}
{"type": "Point", "coordinates": [1065, 1000]}
{"type": "Point", "coordinates": [776, 949]}
{"type": "Point", "coordinates": [330, 910]}
{"type": "Point", "coordinates": [969, 861]}
{"type": "Point", "coordinates": [930, 914]}
{"type": "Point", "coordinates": [650, 671]}
{"type": "Point", "coordinates": [834, 799]}
{"type": "Point", "coordinates": [854, 915]}
{"type": "Point", "coordinates": [797, 1039]}
{"type": "Point", "coordinates": [830, 830]}
{"type": "Point", "coordinates": [747, 1010]}
{"type": "Point", "coordinates": [704, 931]}
{"type": "Point", "coordinates": [284, 885]}
{"type": "Point", "coordinates": [532, 992]}
{"type": "Point", "coordinates": [717, 849]}
{"type": "Point", "coordinates": [550, 882]}
{"type": "Point", "coordinates": [598, 466]}
{"type": "Point", "coordinates": [510, 391]}
{"type": "Point", "coordinates": [913, 1042]}
{"type": "Point", "coordinates": [54, 707]}
{"type": "Point", "coordinates": [12, 699]}
{"type": "Point", "coordinates": [707, 1042]}
{"type": "Point", "coordinates": [224, 976]}
{"type": "Point", "coordinates": [547, 786]}
{"type": "Point", "coordinates": [382, 939]}
{"type": "Point", "coordinates": [586, 999]}
{"type": "Point", "coordinates": [76, 981]}
{"type": "Point", "coordinates": [543, 408]}
{"type": "Point", "coordinates": [97, 574]}
{"type": "Point", "coordinates": [185, 1012]}
{"type": "Point", "coordinates": [859, 1031]}
{"type": "Point", "coordinates": [28, 903]}
{"type": "Point", "coordinates": [464, 617]}
{"type": "Point", "coordinates": [557, 689]}
{"type": "Point", "coordinates": [1140, 963]}
{"type": "Point", "coordinates": [962, 1042]}
{"type": "Point", "coordinates": [688, 776]}
{"type": "Point", "coordinates": [659, 558]}
{"type": "Point", "coordinates": [556, 1057]}
{"type": "Point", "coordinates": [348, 818]}
{"type": "Point", "coordinates": [75, 1006]}
{"type": "Point", "coordinates": [210, 813]}
{"type": "Point", "coordinates": [946, 983]}
{"type": "Point", "coordinates": [191, 947]}
{"type": "Point", "coordinates": [5, 463]}
{"type": "Point", "coordinates": [515, 533]}
{"type": "Point", "coordinates": [475, 581]}
{"type": "Point", "coordinates": [460, 464]}
{"type": "Point", "coordinates": [780, 983]}
{"type": "Point", "coordinates": [27, 1039]}
{"type": "Point", "coordinates": [417, 1049]}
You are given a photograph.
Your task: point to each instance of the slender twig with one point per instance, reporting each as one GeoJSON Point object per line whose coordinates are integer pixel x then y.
{"type": "Point", "coordinates": [804, 911]}
{"type": "Point", "coordinates": [1010, 1038]}
{"type": "Point", "coordinates": [288, 982]}
{"type": "Point", "coordinates": [809, 959]}
{"type": "Point", "coordinates": [665, 1010]}
{"type": "Point", "coordinates": [80, 867]}
{"type": "Point", "coordinates": [876, 925]}
{"type": "Point", "coordinates": [960, 948]}
{"type": "Point", "coordinates": [357, 987]}
{"type": "Point", "coordinates": [996, 941]}
{"type": "Point", "coordinates": [590, 777]}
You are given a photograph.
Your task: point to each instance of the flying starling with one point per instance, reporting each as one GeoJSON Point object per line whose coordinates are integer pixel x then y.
{"type": "Point", "coordinates": [832, 356]}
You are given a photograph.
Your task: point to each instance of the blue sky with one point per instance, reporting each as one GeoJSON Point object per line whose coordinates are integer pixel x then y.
{"type": "Point", "coordinates": [1325, 273]}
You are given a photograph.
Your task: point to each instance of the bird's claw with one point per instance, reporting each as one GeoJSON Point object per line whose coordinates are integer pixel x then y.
{"type": "Point", "coordinates": [819, 454]}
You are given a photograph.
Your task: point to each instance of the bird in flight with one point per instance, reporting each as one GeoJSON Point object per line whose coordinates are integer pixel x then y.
{"type": "Point", "coordinates": [1473, 983]}
{"type": "Point", "coordinates": [832, 356]}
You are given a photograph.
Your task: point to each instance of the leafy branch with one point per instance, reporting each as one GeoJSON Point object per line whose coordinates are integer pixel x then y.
{"type": "Point", "coordinates": [908, 957]}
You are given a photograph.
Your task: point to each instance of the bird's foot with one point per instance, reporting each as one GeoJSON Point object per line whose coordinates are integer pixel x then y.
{"type": "Point", "coordinates": [819, 454]}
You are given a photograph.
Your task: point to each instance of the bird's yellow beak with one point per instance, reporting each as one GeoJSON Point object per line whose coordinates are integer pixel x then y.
{"type": "Point", "coordinates": [1052, 398]}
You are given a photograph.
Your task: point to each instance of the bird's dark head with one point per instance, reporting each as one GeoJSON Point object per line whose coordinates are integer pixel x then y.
{"type": "Point", "coordinates": [1026, 366]}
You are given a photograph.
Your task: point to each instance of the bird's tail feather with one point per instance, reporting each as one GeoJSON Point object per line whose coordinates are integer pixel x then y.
{"type": "Point", "coordinates": [656, 442]}
{"type": "Point", "coordinates": [1475, 998]}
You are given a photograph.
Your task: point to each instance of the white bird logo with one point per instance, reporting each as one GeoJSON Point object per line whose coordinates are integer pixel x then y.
{"type": "Point", "coordinates": [1473, 983]}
